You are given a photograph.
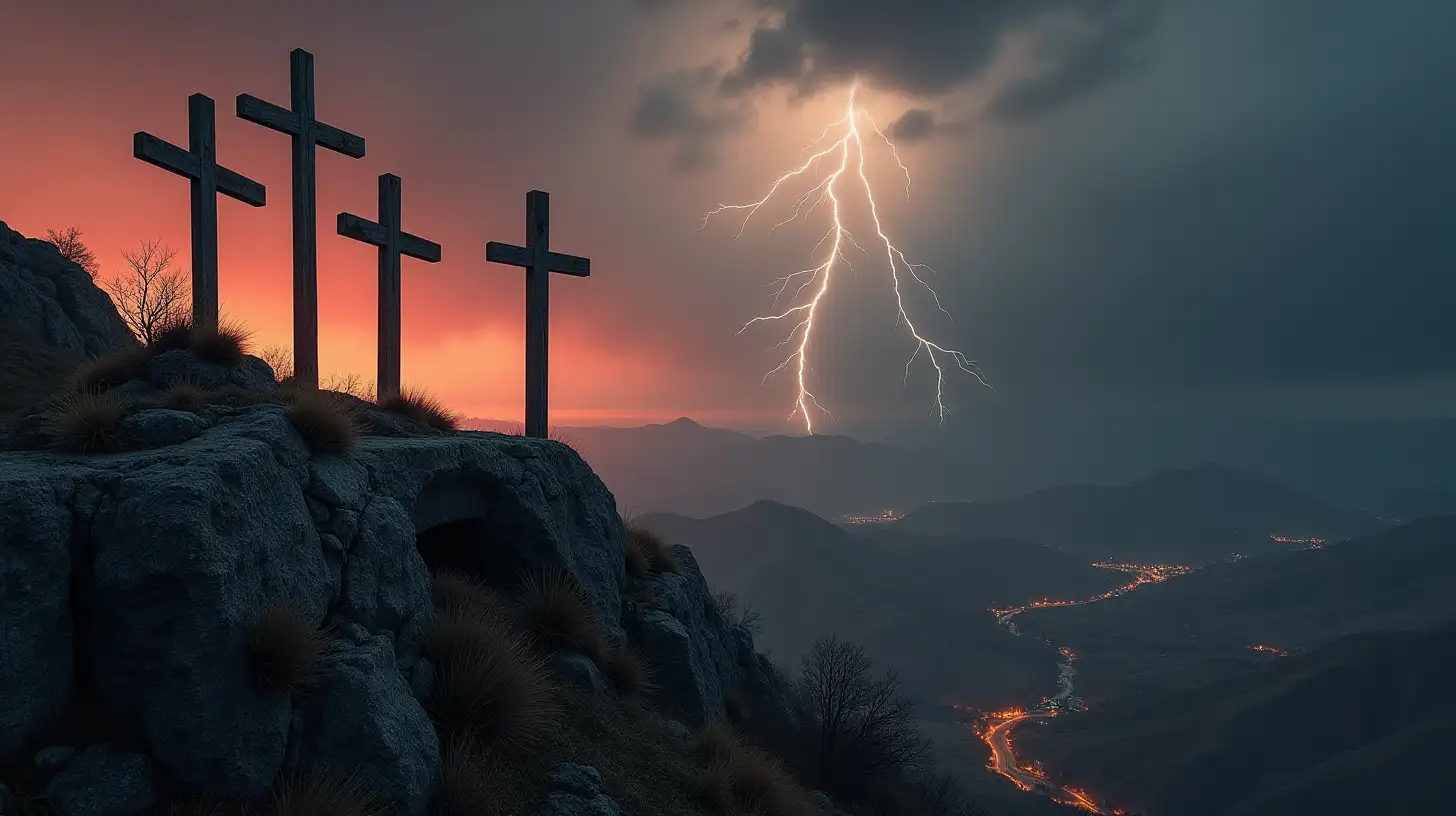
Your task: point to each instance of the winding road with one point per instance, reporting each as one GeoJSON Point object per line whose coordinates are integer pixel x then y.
{"type": "Point", "coordinates": [998, 726]}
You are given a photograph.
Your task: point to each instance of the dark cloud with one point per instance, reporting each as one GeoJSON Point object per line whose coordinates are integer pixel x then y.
{"type": "Point", "coordinates": [930, 47]}
{"type": "Point", "coordinates": [913, 125]}
{"type": "Point", "coordinates": [1078, 61]}
{"type": "Point", "coordinates": [919, 124]}
{"type": "Point", "coordinates": [680, 107]}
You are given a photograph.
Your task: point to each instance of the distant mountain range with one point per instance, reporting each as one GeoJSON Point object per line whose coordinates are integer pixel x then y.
{"type": "Point", "coordinates": [684, 467]}
{"type": "Point", "coordinates": [919, 603]}
{"type": "Point", "coordinates": [1362, 725]}
{"type": "Point", "coordinates": [1191, 516]}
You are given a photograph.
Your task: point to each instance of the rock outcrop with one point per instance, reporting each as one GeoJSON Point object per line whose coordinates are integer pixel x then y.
{"type": "Point", "coordinates": [133, 583]}
{"type": "Point", "coordinates": [48, 298]}
{"type": "Point", "coordinates": [700, 655]}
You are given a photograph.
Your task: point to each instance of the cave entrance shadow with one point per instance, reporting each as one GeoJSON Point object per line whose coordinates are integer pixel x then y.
{"type": "Point", "coordinates": [479, 527]}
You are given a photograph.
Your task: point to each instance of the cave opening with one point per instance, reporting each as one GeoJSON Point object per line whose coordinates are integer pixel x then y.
{"type": "Point", "coordinates": [480, 528]}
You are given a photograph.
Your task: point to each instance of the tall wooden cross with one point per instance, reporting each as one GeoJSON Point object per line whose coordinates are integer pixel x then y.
{"type": "Point", "coordinates": [392, 243]}
{"type": "Point", "coordinates": [307, 133]}
{"type": "Point", "coordinates": [199, 163]}
{"type": "Point", "coordinates": [539, 262]}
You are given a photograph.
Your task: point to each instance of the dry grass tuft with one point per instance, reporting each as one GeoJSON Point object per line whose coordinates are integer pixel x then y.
{"type": "Point", "coordinates": [735, 708]}
{"type": "Point", "coordinates": [286, 648]}
{"type": "Point", "coordinates": [87, 423]}
{"type": "Point", "coordinates": [558, 614]}
{"type": "Point", "coordinates": [463, 788]}
{"type": "Point", "coordinates": [453, 589]}
{"type": "Point", "coordinates": [754, 779]}
{"type": "Point", "coordinates": [422, 409]}
{"type": "Point", "coordinates": [716, 742]}
{"type": "Point", "coordinates": [652, 550]}
{"type": "Point", "coordinates": [174, 335]}
{"type": "Point", "coordinates": [325, 421]}
{"type": "Point", "coordinates": [226, 345]}
{"type": "Point", "coordinates": [325, 795]}
{"type": "Point", "coordinates": [759, 783]}
{"type": "Point", "coordinates": [110, 370]}
{"type": "Point", "coordinates": [634, 560]}
{"type": "Point", "coordinates": [631, 673]}
{"type": "Point", "coordinates": [488, 686]}
{"type": "Point", "coordinates": [713, 788]}
{"type": "Point", "coordinates": [183, 396]}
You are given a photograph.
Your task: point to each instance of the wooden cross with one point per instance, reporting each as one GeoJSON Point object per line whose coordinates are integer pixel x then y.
{"type": "Point", "coordinates": [392, 243]}
{"type": "Point", "coordinates": [307, 133]}
{"type": "Point", "coordinates": [199, 163]}
{"type": "Point", "coordinates": [539, 262]}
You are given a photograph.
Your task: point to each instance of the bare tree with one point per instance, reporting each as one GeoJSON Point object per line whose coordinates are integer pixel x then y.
{"type": "Point", "coordinates": [68, 242]}
{"type": "Point", "coordinates": [863, 726]}
{"type": "Point", "coordinates": [151, 293]}
{"type": "Point", "coordinates": [280, 359]}
{"type": "Point", "coordinates": [745, 615]}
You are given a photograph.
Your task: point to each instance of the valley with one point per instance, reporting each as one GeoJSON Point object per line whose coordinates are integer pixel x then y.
{"type": "Point", "coordinates": [1037, 661]}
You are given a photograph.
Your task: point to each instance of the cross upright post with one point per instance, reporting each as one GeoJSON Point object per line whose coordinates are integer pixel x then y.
{"type": "Point", "coordinates": [299, 122]}
{"type": "Point", "coordinates": [392, 243]}
{"type": "Point", "coordinates": [199, 163]}
{"type": "Point", "coordinates": [539, 262]}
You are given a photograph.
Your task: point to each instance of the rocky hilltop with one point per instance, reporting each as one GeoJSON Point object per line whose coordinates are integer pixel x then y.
{"type": "Point", "coordinates": [47, 298]}
{"type": "Point", "coordinates": [160, 521]}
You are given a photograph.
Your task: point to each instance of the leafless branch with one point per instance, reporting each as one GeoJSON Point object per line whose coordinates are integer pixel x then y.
{"type": "Point", "coordinates": [150, 293]}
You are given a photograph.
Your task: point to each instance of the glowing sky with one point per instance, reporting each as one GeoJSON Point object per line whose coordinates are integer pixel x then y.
{"type": "Point", "coordinates": [1197, 202]}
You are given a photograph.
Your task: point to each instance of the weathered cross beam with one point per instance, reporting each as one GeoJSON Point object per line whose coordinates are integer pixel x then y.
{"type": "Point", "coordinates": [539, 262]}
{"type": "Point", "coordinates": [199, 163]}
{"type": "Point", "coordinates": [308, 133]}
{"type": "Point", "coordinates": [392, 243]}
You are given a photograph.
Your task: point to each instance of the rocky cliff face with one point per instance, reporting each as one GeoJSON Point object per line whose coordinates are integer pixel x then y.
{"type": "Point", "coordinates": [130, 584]}
{"type": "Point", "coordinates": [50, 299]}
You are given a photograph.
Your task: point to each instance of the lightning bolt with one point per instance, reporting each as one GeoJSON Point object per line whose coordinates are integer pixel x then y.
{"type": "Point", "coordinates": [846, 155]}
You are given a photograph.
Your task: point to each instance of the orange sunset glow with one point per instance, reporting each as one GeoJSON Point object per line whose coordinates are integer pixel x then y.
{"type": "Point", "coordinates": [648, 337]}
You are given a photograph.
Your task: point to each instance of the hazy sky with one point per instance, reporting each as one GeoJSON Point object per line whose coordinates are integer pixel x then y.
{"type": "Point", "coordinates": [1242, 204]}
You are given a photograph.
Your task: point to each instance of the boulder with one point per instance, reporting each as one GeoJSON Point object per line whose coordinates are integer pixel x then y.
{"type": "Point", "coordinates": [578, 790]}
{"type": "Point", "coordinates": [363, 716]}
{"type": "Point", "coordinates": [180, 366]}
{"type": "Point", "coordinates": [159, 427]}
{"type": "Point", "coordinates": [103, 781]}
{"type": "Point", "coordinates": [49, 299]}
{"type": "Point", "coordinates": [579, 670]}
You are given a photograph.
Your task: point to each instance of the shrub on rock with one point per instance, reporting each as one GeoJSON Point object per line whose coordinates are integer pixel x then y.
{"type": "Point", "coordinates": [651, 551]}
{"type": "Point", "coordinates": [183, 396]}
{"type": "Point", "coordinates": [452, 589]}
{"type": "Point", "coordinates": [226, 344]}
{"type": "Point", "coordinates": [87, 423]}
{"type": "Point", "coordinates": [559, 615]}
{"type": "Point", "coordinates": [286, 649]}
{"type": "Point", "coordinates": [752, 778]}
{"type": "Point", "coordinates": [422, 409]}
{"type": "Point", "coordinates": [173, 335]}
{"type": "Point", "coordinates": [631, 673]}
{"type": "Point", "coordinates": [488, 688]}
{"type": "Point", "coordinates": [110, 370]}
{"type": "Point", "coordinates": [464, 785]}
{"type": "Point", "coordinates": [324, 420]}
{"type": "Point", "coordinates": [324, 794]}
